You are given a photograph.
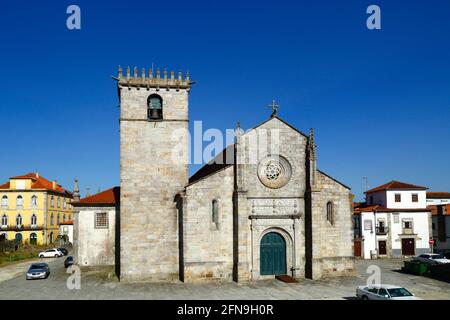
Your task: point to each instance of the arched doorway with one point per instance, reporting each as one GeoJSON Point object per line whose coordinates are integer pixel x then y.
{"type": "Point", "coordinates": [272, 254]}
{"type": "Point", "coordinates": [18, 238]}
{"type": "Point", "coordinates": [51, 237]}
{"type": "Point", "coordinates": [33, 238]}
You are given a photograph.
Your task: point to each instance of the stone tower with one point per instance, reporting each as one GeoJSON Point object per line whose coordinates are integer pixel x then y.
{"type": "Point", "coordinates": [153, 170]}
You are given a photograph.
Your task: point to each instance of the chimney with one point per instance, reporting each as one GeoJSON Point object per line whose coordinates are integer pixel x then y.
{"type": "Point", "coordinates": [54, 184]}
{"type": "Point", "coordinates": [37, 175]}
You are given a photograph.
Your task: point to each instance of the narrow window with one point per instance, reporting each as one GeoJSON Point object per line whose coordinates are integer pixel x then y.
{"type": "Point", "coordinates": [64, 217]}
{"type": "Point", "coordinates": [58, 202]}
{"type": "Point", "coordinates": [5, 201]}
{"type": "Point", "coordinates": [52, 202]}
{"type": "Point", "coordinates": [154, 107]}
{"type": "Point", "coordinates": [4, 220]}
{"type": "Point", "coordinates": [101, 220]}
{"type": "Point", "coordinates": [19, 202]}
{"type": "Point", "coordinates": [33, 220]}
{"type": "Point", "coordinates": [19, 220]}
{"type": "Point", "coordinates": [52, 219]}
{"type": "Point", "coordinates": [330, 213]}
{"type": "Point", "coordinates": [215, 212]}
{"type": "Point", "coordinates": [58, 219]}
{"type": "Point", "coordinates": [415, 197]}
{"type": "Point", "coordinates": [64, 203]}
{"type": "Point", "coordinates": [34, 201]}
{"type": "Point", "coordinates": [398, 197]}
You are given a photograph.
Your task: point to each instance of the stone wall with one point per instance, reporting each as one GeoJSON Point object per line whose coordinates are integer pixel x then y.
{"type": "Point", "coordinates": [332, 243]}
{"type": "Point", "coordinates": [208, 247]}
{"type": "Point", "coordinates": [153, 169]}
{"type": "Point", "coordinates": [94, 247]}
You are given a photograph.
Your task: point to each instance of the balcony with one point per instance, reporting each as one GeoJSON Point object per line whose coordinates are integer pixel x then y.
{"type": "Point", "coordinates": [381, 230]}
{"type": "Point", "coordinates": [408, 231]}
{"type": "Point", "coordinates": [29, 227]}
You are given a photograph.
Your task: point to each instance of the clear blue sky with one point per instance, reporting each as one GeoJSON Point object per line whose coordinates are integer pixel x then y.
{"type": "Point", "coordinates": [378, 100]}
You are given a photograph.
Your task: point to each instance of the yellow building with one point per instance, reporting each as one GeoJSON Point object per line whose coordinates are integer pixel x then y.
{"type": "Point", "coordinates": [31, 209]}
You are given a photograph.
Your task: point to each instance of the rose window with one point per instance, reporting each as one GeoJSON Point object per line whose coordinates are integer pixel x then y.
{"type": "Point", "coordinates": [273, 171]}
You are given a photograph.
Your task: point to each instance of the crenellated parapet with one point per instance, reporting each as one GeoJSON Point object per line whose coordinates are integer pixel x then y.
{"type": "Point", "coordinates": [152, 79]}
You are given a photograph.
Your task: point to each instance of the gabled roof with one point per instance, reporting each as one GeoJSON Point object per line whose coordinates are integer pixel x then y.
{"type": "Point", "coordinates": [38, 182]}
{"type": "Point", "coordinates": [110, 197]}
{"type": "Point", "coordinates": [396, 185]}
{"type": "Point", "coordinates": [438, 195]}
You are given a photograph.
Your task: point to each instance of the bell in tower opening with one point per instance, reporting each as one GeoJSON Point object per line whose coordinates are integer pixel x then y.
{"type": "Point", "coordinates": [154, 107]}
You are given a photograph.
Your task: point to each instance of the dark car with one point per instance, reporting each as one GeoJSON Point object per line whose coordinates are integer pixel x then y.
{"type": "Point", "coordinates": [68, 262]}
{"type": "Point", "coordinates": [63, 251]}
{"type": "Point", "coordinates": [38, 271]}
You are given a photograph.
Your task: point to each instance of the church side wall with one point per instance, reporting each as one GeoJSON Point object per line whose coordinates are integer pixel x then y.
{"type": "Point", "coordinates": [332, 243]}
{"type": "Point", "coordinates": [94, 247]}
{"type": "Point", "coordinates": [208, 248]}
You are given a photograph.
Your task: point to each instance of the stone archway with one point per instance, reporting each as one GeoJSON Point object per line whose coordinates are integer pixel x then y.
{"type": "Point", "coordinates": [272, 254]}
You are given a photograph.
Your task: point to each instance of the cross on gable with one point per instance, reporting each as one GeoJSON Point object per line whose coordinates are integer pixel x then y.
{"type": "Point", "coordinates": [274, 106]}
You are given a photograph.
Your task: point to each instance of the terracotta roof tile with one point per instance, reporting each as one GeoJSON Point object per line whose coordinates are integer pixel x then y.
{"type": "Point", "coordinates": [438, 195]}
{"type": "Point", "coordinates": [434, 210]}
{"type": "Point", "coordinates": [396, 185]}
{"type": "Point", "coordinates": [66, 223]}
{"type": "Point", "coordinates": [110, 196]}
{"type": "Point", "coordinates": [38, 182]}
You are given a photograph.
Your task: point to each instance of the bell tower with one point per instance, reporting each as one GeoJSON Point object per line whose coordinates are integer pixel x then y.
{"type": "Point", "coordinates": [153, 170]}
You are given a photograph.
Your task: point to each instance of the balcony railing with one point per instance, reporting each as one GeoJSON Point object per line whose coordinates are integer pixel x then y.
{"type": "Point", "coordinates": [381, 230]}
{"type": "Point", "coordinates": [29, 227]}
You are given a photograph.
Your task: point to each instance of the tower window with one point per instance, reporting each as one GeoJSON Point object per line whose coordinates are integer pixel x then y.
{"type": "Point", "coordinates": [330, 212]}
{"type": "Point", "coordinates": [215, 212]}
{"type": "Point", "coordinates": [154, 107]}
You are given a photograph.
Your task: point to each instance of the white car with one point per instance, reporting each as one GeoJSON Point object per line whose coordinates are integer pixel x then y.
{"type": "Point", "coordinates": [51, 253]}
{"type": "Point", "coordinates": [384, 292]}
{"type": "Point", "coordinates": [432, 258]}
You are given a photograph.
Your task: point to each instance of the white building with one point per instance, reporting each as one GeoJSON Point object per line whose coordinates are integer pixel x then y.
{"type": "Point", "coordinates": [66, 232]}
{"type": "Point", "coordinates": [394, 222]}
{"type": "Point", "coordinates": [95, 229]}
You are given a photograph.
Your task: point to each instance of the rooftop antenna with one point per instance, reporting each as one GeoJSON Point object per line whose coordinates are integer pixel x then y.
{"type": "Point", "coordinates": [366, 184]}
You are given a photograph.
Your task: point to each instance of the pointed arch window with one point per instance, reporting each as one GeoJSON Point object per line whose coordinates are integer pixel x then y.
{"type": "Point", "coordinates": [19, 202]}
{"type": "Point", "coordinates": [215, 212]}
{"type": "Point", "coordinates": [4, 220]}
{"type": "Point", "coordinates": [34, 201]}
{"type": "Point", "coordinates": [19, 220]}
{"type": "Point", "coordinates": [330, 212]}
{"type": "Point", "coordinates": [154, 107]}
{"type": "Point", "coordinates": [33, 220]}
{"type": "Point", "coordinates": [5, 201]}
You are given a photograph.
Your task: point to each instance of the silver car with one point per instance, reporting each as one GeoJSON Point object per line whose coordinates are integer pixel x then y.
{"type": "Point", "coordinates": [384, 292]}
{"type": "Point", "coordinates": [38, 271]}
{"type": "Point", "coordinates": [432, 258]}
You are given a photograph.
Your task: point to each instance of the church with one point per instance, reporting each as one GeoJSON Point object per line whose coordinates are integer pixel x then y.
{"type": "Point", "coordinates": [261, 208]}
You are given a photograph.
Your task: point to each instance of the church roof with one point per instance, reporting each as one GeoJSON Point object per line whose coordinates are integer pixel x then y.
{"type": "Point", "coordinates": [221, 161]}
{"type": "Point", "coordinates": [396, 185]}
{"type": "Point", "coordinates": [110, 197]}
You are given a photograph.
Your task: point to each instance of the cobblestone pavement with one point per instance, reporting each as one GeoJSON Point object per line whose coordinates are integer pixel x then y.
{"type": "Point", "coordinates": [97, 286]}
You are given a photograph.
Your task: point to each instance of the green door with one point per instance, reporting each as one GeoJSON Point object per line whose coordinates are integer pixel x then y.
{"type": "Point", "coordinates": [273, 254]}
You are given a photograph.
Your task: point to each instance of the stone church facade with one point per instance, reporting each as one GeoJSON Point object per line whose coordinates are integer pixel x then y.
{"type": "Point", "coordinates": [259, 209]}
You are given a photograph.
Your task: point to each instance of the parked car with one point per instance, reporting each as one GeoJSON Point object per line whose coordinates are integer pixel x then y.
{"type": "Point", "coordinates": [432, 258]}
{"type": "Point", "coordinates": [68, 262]}
{"type": "Point", "coordinates": [445, 252]}
{"type": "Point", "coordinates": [63, 251]}
{"type": "Point", "coordinates": [384, 292]}
{"type": "Point", "coordinates": [38, 271]}
{"type": "Point", "coordinates": [50, 253]}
